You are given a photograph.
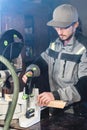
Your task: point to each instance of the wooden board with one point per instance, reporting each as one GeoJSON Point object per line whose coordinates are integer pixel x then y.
{"type": "Point", "coordinates": [57, 104]}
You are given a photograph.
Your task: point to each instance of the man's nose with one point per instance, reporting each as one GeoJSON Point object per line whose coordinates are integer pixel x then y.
{"type": "Point", "coordinates": [59, 30]}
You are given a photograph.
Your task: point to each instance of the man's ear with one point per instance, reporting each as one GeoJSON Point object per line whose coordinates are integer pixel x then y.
{"type": "Point", "coordinates": [76, 24]}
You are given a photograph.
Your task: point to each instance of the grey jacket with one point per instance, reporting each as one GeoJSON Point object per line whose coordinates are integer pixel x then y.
{"type": "Point", "coordinates": [66, 65]}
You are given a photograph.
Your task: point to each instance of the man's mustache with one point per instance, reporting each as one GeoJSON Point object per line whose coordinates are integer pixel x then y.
{"type": "Point", "coordinates": [62, 35]}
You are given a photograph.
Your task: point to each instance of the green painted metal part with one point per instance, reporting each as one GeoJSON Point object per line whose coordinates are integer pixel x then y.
{"type": "Point", "coordinates": [12, 107]}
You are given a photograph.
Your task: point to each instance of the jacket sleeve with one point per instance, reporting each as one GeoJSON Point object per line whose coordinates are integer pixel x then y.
{"type": "Point", "coordinates": [42, 64]}
{"type": "Point", "coordinates": [81, 86]}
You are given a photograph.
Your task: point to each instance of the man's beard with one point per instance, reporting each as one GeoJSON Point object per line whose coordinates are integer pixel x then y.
{"type": "Point", "coordinates": [67, 38]}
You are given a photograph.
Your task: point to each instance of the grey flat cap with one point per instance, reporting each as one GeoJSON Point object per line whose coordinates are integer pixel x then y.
{"type": "Point", "coordinates": [63, 16]}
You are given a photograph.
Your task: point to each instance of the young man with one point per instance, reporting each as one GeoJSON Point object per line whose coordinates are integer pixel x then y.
{"type": "Point", "coordinates": [66, 59]}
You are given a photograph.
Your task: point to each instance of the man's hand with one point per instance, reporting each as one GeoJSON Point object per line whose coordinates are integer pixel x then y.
{"type": "Point", "coordinates": [26, 75]}
{"type": "Point", "coordinates": [44, 98]}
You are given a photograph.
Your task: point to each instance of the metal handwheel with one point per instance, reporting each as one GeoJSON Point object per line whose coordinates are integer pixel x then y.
{"type": "Point", "coordinates": [12, 107]}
